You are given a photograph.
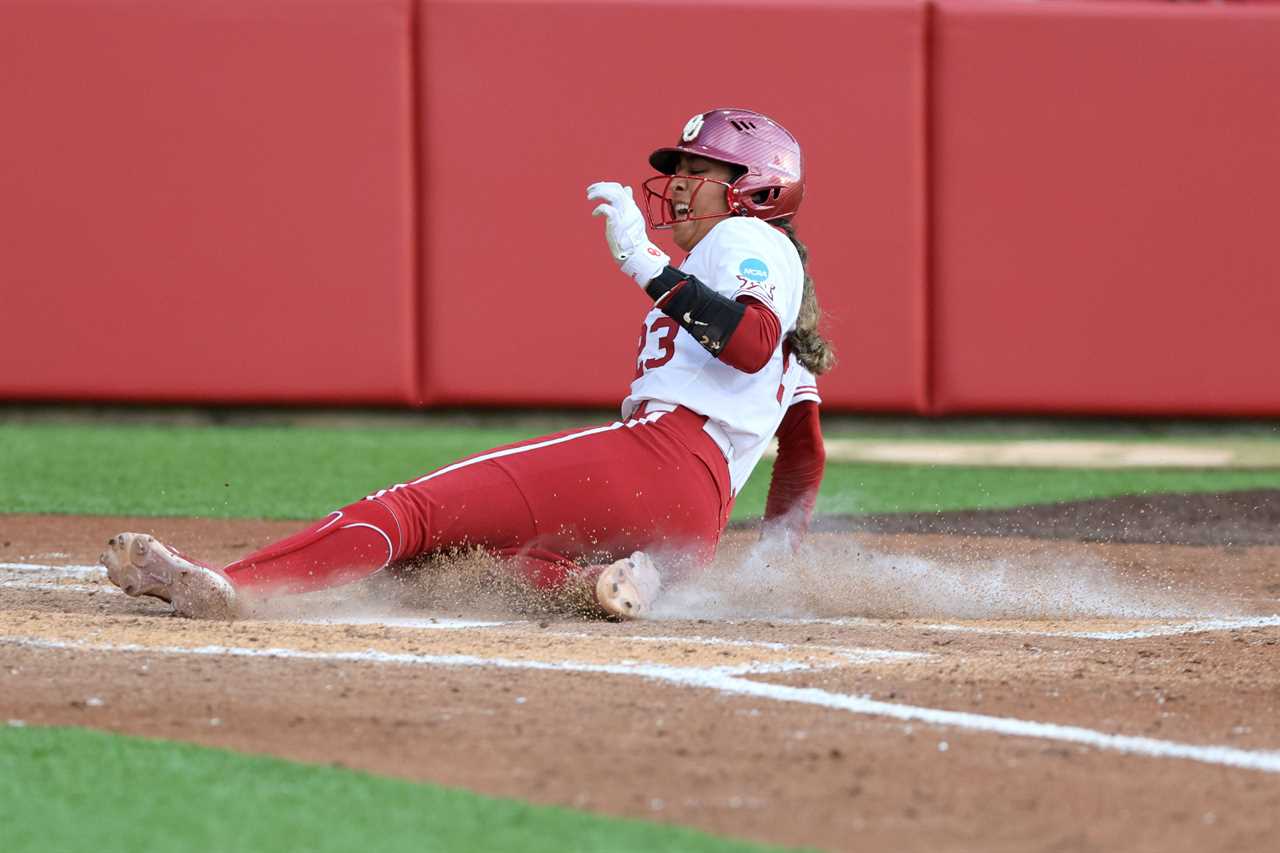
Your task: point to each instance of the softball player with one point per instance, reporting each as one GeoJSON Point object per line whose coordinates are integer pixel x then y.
{"type": "Point", "coordinates": [727, 359]}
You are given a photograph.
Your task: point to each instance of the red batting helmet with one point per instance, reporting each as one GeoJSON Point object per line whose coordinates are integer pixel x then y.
{"type": "Point", "coordinates": [771, 184]}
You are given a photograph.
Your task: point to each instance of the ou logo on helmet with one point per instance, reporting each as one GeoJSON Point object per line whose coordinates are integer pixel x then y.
{"type": "Point", "coordinates": [692, 128]}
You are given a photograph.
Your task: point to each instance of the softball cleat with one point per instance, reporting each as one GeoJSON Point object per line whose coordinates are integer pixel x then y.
{"type": "Point", "coordinates": [628, 588]}
{"type": "Point", "coordinates": [142, 565]}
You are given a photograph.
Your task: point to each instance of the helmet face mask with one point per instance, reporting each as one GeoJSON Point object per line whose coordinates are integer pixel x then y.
{"type": "Point", "coordinates": [660, 210]}
{"type": "Point", "coordinates": [771, 183]}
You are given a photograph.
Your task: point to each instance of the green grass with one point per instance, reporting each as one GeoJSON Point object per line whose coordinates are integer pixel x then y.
{"type": "Point", "coordinates": [218, 472]}
{"type": "Point", "coordinates": [869, 488]}
{"type": "Point", "coordinates": [300, 472]}
{"type": "Point", "coordinates": [71, 790]}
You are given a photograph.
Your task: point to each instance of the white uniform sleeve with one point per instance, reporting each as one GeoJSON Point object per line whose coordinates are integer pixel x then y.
{"type": "Point", "coordinates": [750, 259]}
{"type": "Point", "coordinates": [806, 390]}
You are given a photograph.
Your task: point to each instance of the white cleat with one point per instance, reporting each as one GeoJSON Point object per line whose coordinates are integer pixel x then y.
{"type": "Point", "coordinates": [628, 588]}
{"type": "Point", "coordinates": [142, 565]}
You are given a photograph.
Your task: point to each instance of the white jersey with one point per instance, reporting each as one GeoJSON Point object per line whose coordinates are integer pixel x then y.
{"type": "Point", "coordinates": [739, 256]}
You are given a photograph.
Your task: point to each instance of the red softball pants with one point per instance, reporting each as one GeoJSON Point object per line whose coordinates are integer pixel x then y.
{"type": "Point", "coordinates": [656, 483]}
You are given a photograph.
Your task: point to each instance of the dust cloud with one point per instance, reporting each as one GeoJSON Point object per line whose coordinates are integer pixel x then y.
{"type": "Point", "coordinates": [467, 584]}
{"type": "Point", "coordinates": [826, 576]}
{"type": "Point", "coordinates": [830, 576]}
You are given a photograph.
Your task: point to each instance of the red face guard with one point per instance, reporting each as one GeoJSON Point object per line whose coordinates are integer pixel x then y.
{"type": "Point", "coordinates": [660, 209]}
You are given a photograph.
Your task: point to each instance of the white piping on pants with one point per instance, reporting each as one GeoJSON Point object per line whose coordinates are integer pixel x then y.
{"type": "Point", "coordinates": [512, 451]}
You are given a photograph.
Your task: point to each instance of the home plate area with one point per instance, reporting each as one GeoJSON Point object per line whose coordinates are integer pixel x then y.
{"type": "Point", "coordinates": [869, 691]}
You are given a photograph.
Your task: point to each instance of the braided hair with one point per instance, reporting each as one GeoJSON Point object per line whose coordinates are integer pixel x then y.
{"type": "Point", "coordinates": [810, 348]}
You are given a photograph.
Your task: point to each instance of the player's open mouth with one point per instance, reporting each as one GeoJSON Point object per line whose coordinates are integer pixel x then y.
{"type": "Point", "coordinates": [680, 209]}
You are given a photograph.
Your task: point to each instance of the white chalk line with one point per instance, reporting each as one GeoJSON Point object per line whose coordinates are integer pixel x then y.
{"type": "Point", "coordinates": [989, 626]}
{"type": "Point", "coordinates": [59, 587]}
{"type": "Point", "coordinates": [857, 654]}
{"type": "Point", "coordinates": [1185, 628]}
{"type": "Point", "coordinates": [854, 653]}
{"type": "Point", "coordinates": [1165, 630]}
{"type": "Point", "coordinates": [12, 576]}
{"type": "Point", "coordinates": [411, 659]}
{"type": "Point", "coordinates": [58, 571]}
{"type": "Point", "coordinates": [729, 680]}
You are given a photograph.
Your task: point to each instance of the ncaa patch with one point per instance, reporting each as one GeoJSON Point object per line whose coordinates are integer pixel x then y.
{"type": "Point", "coordinates": [754, 269]}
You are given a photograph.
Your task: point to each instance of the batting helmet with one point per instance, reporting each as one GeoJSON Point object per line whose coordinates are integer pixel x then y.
{"type": "Point", "coordinates": [771, 183]}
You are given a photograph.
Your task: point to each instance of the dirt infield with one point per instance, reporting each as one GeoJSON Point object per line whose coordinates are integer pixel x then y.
{"type": "Point", "coordinates": [891, 690]}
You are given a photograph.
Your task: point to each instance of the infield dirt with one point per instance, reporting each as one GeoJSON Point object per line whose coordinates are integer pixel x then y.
{"type": "Point", "coordinates": [1140, 638]}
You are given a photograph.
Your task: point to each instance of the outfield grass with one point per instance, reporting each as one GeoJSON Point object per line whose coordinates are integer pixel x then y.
{"type": "Point", "coordinates": [72, 790]}
{"type": "Point", "coordinates": [300, 472]}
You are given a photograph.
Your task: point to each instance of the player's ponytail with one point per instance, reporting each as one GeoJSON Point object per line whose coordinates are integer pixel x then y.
{"type": "Point", "coordinates": [811, 349]}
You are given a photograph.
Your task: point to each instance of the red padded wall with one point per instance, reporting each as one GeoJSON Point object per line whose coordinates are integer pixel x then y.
{"type": "Point", "coordinates": [525, 103]}
{"type": "Point", "coordinates": [1105, 203]}
{"type": "Point", "coordinates": [208, 200]}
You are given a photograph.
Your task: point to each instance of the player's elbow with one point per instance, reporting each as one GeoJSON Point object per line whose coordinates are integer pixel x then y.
{"type": "Point", "coordinates": [754, 340]}
{"type": "Point", "coordinates": [746, 362]}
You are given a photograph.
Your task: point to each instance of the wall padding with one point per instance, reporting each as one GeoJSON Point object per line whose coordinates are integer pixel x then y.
{"type": "Point", "coordinates": [207, 201]}
{"type": "Point", "coordinates": [1105, 207]}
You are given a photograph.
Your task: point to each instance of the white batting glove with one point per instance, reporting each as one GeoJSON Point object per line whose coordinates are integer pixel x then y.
{"type": "Point", "coordinates": [624, 229]}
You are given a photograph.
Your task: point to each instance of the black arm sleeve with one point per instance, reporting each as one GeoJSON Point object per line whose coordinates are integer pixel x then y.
{"type": "Point", "coordinates": [703, 313]}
